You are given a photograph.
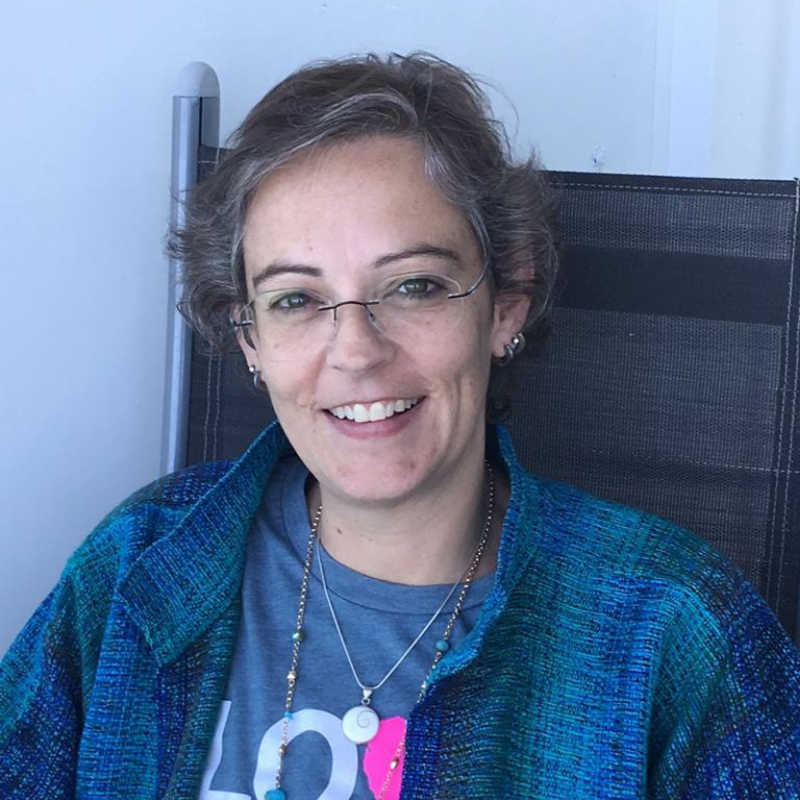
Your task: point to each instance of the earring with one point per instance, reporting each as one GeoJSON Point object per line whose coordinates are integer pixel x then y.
{"type": "Point", "coordinates": [512, 349]}
{"type": "Point", "coordinates": [256, 375]}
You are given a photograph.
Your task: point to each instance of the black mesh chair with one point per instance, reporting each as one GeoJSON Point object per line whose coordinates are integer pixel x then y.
{"type": "Point", "coordinates": [671, 380]}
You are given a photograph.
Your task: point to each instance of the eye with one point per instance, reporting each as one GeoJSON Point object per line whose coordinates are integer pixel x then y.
{"type": "Point", "coordinates": [286, 307]}
{"type": "Point", "coordinates": [429, 287]}
{"type": "Point", "coordinates": [418, 290]}
{"type": "Point", "coordinates": [291, 301]}
{"type": "Point", "coordinates": [417, 285]}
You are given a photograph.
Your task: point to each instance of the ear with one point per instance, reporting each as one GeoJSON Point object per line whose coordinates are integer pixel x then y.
{"type": "Point", "coordinates": [244, 337]}
{"type": "Point", "coordinates": [510, 314]}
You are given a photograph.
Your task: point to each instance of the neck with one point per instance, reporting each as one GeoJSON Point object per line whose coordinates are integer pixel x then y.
{"type": "Point", "coordinates": [428, 539]}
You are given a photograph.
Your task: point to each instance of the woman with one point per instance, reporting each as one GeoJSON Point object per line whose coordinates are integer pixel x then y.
{"type": "Point", "coordinates": [376, 593]}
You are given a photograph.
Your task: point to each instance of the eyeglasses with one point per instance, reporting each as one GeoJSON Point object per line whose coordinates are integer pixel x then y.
{"type": "Point", "coordinates": [288, 323]}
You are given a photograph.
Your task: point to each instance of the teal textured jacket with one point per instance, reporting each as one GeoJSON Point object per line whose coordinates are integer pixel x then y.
{"type": "Point", "coordinates": [617, 656]}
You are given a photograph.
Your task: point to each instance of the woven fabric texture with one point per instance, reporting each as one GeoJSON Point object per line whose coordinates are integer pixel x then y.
{"type": "Point", "coordinates": [617, 656]}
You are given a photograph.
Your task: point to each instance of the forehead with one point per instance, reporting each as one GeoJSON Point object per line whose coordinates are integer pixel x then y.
{"type": "Point", "coordinates": [346, 206]}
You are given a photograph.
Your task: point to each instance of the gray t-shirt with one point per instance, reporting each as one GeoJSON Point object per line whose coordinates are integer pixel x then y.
{"type": "Point", "coordinates": [378, 619]}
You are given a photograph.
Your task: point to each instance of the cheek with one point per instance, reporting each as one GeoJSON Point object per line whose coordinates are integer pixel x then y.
{"type": "Point", "coordinates": [289, 388]}
{"type": "Point", "coordinates": [464, 365]}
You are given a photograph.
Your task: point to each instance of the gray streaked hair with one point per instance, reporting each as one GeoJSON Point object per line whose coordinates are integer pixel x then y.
{"type": "Point", "coordinates": [467, 157]}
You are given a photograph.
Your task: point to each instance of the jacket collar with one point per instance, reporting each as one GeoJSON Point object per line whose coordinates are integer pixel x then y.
{"type": "Point", "coordinates": [180, 585]}
{"type": "Point", "coordinates": [528, 507]}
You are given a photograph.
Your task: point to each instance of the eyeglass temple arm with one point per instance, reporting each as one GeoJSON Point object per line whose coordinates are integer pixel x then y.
{"type": "Point", "coordinates": [472, 289]}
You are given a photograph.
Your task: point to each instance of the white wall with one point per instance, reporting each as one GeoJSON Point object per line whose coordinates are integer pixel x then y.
{"type": "Point", "coordinates": [675, 86]}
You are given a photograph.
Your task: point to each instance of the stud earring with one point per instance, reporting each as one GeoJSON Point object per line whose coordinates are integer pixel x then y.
{"type": "Point", "coordinates": [511, 350]}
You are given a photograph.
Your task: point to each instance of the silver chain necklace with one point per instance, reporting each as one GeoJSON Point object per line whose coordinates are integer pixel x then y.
{"type": "Point", "coordinates": [353, 724]}
{"type": "Point", "coordinates": [360, 724]}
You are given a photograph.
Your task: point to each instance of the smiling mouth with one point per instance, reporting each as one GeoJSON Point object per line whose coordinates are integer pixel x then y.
{"type": "Point", "coordinates": [373, 412]}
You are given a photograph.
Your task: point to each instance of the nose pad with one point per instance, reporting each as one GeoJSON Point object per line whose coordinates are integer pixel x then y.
{"type": "Point", "coordinates": [367, 307]}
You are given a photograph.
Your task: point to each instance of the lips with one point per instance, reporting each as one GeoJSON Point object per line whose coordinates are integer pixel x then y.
{"type": "Point", "coordinates": [373, 411]}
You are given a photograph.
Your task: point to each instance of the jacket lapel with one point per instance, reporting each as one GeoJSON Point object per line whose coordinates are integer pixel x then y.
{"type": "Point", "coordinates": [183, 582]}
{"type": "Point", "coordinates": [156, 701]}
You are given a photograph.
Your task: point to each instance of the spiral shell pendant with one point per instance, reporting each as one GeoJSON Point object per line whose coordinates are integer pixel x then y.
{"type": "Point", "coordinates": [360, 724]}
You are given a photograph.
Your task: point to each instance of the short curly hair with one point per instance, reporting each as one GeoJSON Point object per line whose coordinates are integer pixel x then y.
{"type": "Point", "coordinates": [467, 157]}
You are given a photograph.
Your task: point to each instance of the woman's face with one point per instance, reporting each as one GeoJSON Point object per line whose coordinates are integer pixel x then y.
{"type": "Point", "coordinates": [335, 224]}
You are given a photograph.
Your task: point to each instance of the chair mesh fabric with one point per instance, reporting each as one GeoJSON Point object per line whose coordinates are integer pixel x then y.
{"type": "Point", "coordinates": [670, 382]}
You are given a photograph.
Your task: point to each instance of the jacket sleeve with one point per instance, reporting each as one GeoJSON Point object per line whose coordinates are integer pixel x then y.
{"type": "Point", "coordinates": [727, 706]}
{"type": "Point", "coordinates": [46, 679]}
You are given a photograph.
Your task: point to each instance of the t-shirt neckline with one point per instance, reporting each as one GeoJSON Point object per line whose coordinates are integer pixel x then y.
{"type": "Point", "coordinates": [348, 584]}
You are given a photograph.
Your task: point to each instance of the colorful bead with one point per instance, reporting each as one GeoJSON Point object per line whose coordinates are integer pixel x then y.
{"type": "Point", "coordinates": [352, 727]}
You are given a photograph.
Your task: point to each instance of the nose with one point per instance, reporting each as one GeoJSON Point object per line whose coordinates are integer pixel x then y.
{"type": "Point", "coordinates": [357, 342]}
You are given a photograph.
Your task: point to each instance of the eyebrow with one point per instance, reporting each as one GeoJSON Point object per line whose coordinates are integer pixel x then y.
{"type": "Point", "coordinates": [420, 250]}
{"type": "Point", "coordinates": [283, 268]}
{"type": "Point", "coordinates": [276, 268]}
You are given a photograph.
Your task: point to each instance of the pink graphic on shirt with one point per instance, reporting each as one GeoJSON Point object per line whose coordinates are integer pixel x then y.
{"type": "Point", "coordinates": [380, 752]}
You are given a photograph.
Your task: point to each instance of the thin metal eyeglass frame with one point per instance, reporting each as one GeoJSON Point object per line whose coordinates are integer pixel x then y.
{"type": "Point", "coordinates": [367, 303]}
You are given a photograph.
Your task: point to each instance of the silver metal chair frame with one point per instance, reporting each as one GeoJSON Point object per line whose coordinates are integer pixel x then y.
{"type": "Point", "coordinates": [195, 122]}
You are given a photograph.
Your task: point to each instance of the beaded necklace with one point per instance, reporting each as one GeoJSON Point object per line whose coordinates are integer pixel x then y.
{"type": "Point", "coordinates": [442, 645]}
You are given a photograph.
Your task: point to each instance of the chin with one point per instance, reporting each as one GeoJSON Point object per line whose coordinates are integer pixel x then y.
{"type": "Point", "coordinates": [371, 484]}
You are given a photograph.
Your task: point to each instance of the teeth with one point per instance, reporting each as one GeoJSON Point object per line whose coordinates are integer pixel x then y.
{"type": "Point", "coordinates": [373, 412]}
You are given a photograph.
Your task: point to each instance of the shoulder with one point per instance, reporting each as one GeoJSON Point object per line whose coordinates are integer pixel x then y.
{"type": "Point", "coordinates": [605, 550]}
{"type": "Point", "coordinates": [179, 490]}
{"type": "Point", "coordinates": [61, 643]}
{"type": "Point", "coordinates": [561, 532]}
{"type": "Point", "coordinates": [168, 522]}
{"type": "Point", "coordinates": [618, 538]}
{"type": "Point", "coordinates": [645, 582]}
{"type": "Point", "coordinates": [147, 515]}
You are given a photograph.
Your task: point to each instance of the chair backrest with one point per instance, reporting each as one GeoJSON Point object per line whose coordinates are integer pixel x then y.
{"type": "Point", "coordinates": [671, 379]}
